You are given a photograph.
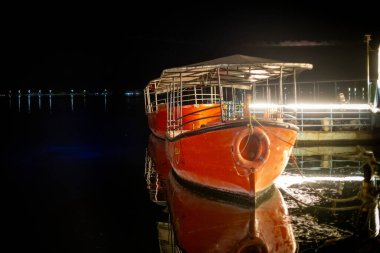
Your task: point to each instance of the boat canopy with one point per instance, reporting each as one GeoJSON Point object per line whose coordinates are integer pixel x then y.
{"type": "Point", "coordinates": [234, 70]}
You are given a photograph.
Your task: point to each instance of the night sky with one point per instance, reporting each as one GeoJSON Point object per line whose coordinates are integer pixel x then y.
{"type": "Point", "coordinates": [125, 46]}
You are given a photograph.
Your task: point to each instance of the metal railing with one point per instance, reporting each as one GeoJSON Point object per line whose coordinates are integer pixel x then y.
{"type": "Point", "coordinates": [331, 119]}
{"type": "Point", "coordinates": [332, 109]}
{"type": "Point", "coordinates": [313, 118]}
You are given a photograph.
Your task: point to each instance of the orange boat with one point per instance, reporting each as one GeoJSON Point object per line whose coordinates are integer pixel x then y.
{"type": "Point", "coordinates": [202, 224]}
{"type": "Point", "coordinates": [223, 120]}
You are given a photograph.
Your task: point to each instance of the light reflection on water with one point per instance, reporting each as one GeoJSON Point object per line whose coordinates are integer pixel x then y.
{"type": "Point", "coordinates": [307, 192]}
{"type": "Point", "coordinates": [323, 191]}
{"type": "Point", "coordinates": [65, 176]}
{"type": "Point", "coordinates": [51, 103]}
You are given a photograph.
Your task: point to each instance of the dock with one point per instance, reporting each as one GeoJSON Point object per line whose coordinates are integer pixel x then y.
{"type": "Point", "coordinates": [327, 112]}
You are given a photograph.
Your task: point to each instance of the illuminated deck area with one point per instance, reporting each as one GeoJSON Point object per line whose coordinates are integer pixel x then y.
{"type": "Point", "coordinates": [327, 123]}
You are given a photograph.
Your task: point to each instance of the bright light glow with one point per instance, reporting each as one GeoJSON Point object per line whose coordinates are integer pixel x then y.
{"type": "Point", "coordinates": [285, 181]}
{"type": "Point", "coordinates": [312, 106]}
{"type": "Point", "coordinates": [263, 106]}
{"type": "Point", "coordinates": [378, 67]}
{"type": "Point", "coordinates": [272, 66]}
{"type": "Point", "coordinates": [328, 106]}
{"type": "Point", "coordinates": [260, 76]}
{"type": "Point", "coordinates": [258, 71]}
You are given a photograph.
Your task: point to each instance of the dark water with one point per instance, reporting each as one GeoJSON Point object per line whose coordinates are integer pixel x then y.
{"type": "Point", "coordinates": [74, 179]}
{"type": "Point", "coordinates": [77, 179]}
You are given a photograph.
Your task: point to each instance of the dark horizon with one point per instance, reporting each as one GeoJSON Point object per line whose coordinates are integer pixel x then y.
{"type": "Point", "coordinates": [125, 49]}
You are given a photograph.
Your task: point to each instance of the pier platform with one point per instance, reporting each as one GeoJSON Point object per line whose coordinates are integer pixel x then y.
{"type": "Point", "coordinates": [310, 138]}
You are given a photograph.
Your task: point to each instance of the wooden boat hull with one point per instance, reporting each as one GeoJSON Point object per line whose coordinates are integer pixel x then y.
{"type": "Point", "coordinates": [230, 156]}
{"type": "Point", "coordinates": [202, 224]}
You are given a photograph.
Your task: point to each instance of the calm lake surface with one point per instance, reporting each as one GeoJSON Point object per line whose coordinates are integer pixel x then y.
{"type": "Point", "coordinates": [80, 176]}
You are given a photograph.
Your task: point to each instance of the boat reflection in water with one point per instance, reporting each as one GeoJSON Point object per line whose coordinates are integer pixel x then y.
{"type": "Point", "coordinates": [157, 168]}
{"type": "Point", "coordinates": [202, 223]}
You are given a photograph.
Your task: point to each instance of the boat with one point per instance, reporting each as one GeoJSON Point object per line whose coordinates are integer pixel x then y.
{"type": "Point", "coordinates": [223, 123]}
{"type": "Point", "coordinates": [201, 223]}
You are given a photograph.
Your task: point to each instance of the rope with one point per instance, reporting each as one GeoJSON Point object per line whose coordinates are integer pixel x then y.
{"type": "Point", "coordinates": [250, 132]}
{"type": "Point", "coordinates": [268, 131]}
{"type": "Point", "coordinates": [249, 136]}
{"type": "Point", "coordinates": [249, 172]}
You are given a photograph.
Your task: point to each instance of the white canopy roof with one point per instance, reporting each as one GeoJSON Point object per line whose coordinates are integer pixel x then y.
{"type": "Point", "coordinates": [234, 70]}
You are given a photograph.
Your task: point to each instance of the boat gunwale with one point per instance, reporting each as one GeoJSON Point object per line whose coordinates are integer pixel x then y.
{"type": "Point", "coordinates": [230, 124]}
{"type": "Point", "coordinates": [240, 199]}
